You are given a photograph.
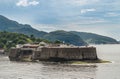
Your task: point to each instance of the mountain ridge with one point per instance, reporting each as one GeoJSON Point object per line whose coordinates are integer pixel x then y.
{"type": "Point", "coordinates": [93, 38]}
{"type": "Point", "coordinates": [66, 37]}
{"type": "Point", "coordinates": [70, 37]}
{"type": "Point", "coordinates": [13, 26]}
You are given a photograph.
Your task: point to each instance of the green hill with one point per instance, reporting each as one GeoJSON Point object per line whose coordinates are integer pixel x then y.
{"type": "Point", "coordinates": [65, 36]}
{"type": "Point", "coordinates": [91, 38]}
{"type": "Point", "coordinates": [13, 26]}
{"type": "Point", "coordinates": [8, 39]}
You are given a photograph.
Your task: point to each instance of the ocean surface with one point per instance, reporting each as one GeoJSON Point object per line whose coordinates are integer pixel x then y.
{"type": "Point", "coordinates": [44, 70]}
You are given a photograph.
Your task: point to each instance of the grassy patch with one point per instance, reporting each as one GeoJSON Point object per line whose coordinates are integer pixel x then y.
{"type": "Point", "coordinates": [88, 61]}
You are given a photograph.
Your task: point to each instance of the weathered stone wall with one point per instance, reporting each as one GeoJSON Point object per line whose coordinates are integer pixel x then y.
{"type": "Point", "coordinates": [73, 53]}
{"type": "Point", "coordinates": [13, 54]}
{"type": "Point", "coordinates": [86, 53]}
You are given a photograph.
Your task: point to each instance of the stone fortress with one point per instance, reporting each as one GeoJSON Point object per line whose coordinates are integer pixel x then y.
{"type": "Point", "coordinates": [52, 52]}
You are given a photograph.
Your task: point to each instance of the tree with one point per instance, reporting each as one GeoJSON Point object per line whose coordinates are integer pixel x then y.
{"type": "Point", "coordinates": [57, 42]}
{"type": "Point", "coordinates": [32, 37]}
{"type": "Point", "coordinates": [1, 45]}
{"type": "Point", "coordinates": [21, 42]}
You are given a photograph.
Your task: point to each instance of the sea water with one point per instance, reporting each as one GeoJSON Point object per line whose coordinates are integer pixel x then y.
{"type": "Point", "coordinates": [45, 70]}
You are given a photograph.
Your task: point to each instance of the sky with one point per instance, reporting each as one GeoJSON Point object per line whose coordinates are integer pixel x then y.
{"type": "Point", "coordinates": [96, 16]}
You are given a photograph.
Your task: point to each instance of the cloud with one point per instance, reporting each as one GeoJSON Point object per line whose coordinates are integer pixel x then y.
{"type": "Point", "coordinates": [26, 3]}
{"type": "Point", "coordinates": [82, 2]}
{"type": "Point", "coordinates": [87, 10]}
{"type": "Point", "coordinates": [33, 3]}
{"type": "Point", "coordinates": [69, 25]}
{"type": "Point", "coordinates": [112, 14]}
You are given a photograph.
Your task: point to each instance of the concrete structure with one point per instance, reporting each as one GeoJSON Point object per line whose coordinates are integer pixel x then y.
{"type": "Point", "coordinates": [53, 53]}
{"type": "Point", "coordinates": [60, 53]}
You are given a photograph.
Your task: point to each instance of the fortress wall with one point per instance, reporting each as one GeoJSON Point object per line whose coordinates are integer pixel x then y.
{"type": "Point", "coordinates": [68, 53]}
{"type": "Point", "coordinates": [72, 53]}
{"type": "Point", "coordinates": [89, 53]}
{"type": "Point", "coordinates": [13, 52]}
{"type": "Point", "coordinates": [36, 55]}
{"type": "Point", "coordinates": [84, 53]}
{"type": "Point", "coordinates": [45, 54]}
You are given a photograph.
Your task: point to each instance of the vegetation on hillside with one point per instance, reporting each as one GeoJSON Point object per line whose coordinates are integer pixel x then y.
{"type": "Point", "coordinates": [75, 38]}
{"type": "Point", "coordinates": [8, 39]}
{"type": "Point", "coordinates": [65, 37]}
{"type": "Point", "coordinates": [13, 26]}
{"type": "Point", "coordinates": [92, 38]}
